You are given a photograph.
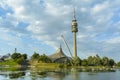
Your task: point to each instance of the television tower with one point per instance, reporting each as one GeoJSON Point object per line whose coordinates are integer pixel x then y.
{"type": "Point", "coordinates": [74, 31]}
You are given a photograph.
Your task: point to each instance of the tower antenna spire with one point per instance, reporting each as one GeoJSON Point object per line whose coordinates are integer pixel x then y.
{"type": "Point", "coordinates": [74, 14]}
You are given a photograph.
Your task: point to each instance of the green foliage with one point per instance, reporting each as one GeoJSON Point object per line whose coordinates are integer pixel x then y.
{"type": "Point", "coordinates": [24, 56]}
{"type": "Point", "coordinates": [10, 63]}
{"type": "Point", "coordinates": [118, 64]}
{"type": "Point", "coordinates": [94, 61]}
{"type": "Point", "coordinates": [19, 58]}
{"type": "Point", "coordinates": [84, 62]}
{"type": "Point", "coordinates": [97, 61]}
{"type": "Point", "coordinates": [35, 56]}
{"type": "Point", "coordinates": [111, 62]}
{"type": "Point", "coordinates": [40, 58]}
{"type": "Point", "coordinates": [48, 65]}
{"type": "Point", "coordinates": [44, 58]}
{"type": "Point", "coordinates": [90, 61]}
{"type": "Point", "coordinates": [15, 56]}
{"type": "Point", "coordinates": [76, 61]}
{"type": "Point", "coordinates": [105, 61]}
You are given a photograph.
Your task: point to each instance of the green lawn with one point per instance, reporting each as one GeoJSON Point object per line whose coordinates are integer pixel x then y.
{"type": "Point", "coordinates": [8, 63]}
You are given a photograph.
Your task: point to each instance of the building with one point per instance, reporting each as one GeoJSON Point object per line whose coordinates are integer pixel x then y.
{"type": "Point", "coordinates": [5, 57]}
{"type": "Point", "coordinates": [59, 57]}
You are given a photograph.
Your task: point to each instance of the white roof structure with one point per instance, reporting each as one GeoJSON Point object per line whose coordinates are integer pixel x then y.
{"type": "Point", "coordinates": [58, 54]}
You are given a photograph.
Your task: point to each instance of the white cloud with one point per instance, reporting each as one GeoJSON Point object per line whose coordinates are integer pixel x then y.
{"type": "Point", "coordinates": [83, 9]}
{"type": "Point", "coordinates": [12, 40]}
{"type": "Point", "coordinates": [56, 9]}
{"type": "Point", "coordinates": [36, 27]}
{"type": "Point", "coordinates": [100, 7]}
{"type": "Point", "coordinates": [48, 20]}
{"type": "Point", "coordinates": [81, 36]}
{"type": "Point", "coordinates": [115, 40]}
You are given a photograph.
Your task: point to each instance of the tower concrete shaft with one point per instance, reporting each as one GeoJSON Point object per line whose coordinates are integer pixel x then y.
{"type": "Point", "coordinates": [75, 45]}
{"type": "Point", "coordinates": [74, 30]}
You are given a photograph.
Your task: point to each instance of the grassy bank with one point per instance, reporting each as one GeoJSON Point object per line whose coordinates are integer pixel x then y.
{"type": "Point", "coordinates": [46, 65]}
{"type": "Point", "coordinates": [9, 63]}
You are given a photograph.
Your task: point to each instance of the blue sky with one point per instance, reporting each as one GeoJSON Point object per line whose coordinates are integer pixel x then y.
{"type": "Point", "coordinates": [37, 25]}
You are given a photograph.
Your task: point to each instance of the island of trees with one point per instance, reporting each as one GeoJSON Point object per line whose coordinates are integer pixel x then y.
{"type": "Point", "coordinates": [19, 59]}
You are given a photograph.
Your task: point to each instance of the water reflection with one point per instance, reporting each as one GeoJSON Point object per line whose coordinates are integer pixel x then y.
{"type": "Point", "coordinates": [75, 75]}
{"type": "Point", "coordinates": [12, 72]}
{"type": "Point", "coordinates": [51, 74]}
{"type": "Point", "coordinates": [16, 75]}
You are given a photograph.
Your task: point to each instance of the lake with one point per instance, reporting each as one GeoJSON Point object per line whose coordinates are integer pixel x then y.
{"type": "Point", "coordinates": [56, 74]}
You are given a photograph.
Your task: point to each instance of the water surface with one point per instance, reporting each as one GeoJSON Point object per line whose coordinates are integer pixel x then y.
{"type": "Point", "coordinates": [56, 74]}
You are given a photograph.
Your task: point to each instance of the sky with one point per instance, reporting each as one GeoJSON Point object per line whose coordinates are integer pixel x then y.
{"type": "Point", "coordinates": [37, 25]}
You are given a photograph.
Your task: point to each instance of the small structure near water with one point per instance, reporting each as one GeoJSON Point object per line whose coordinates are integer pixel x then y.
{"type": "Point", "coordinates": [5, 57]}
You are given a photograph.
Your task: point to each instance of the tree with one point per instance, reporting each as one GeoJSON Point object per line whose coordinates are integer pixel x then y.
{"type": "Point", "coordinates": [84, 62]}
{"type": "Point", "coordinates": [111, 62]}
{"type": "Point", "coordinates": [90, 61]}
{"type": "Point", "coordinates": [15, 56]}
{"type": "Point", "coordinates": [105, 61]}
{"type": "Point", "coordinates": [20, 60]}
{"type": "Point", "coordinates": [24, 56]}
{"type": "Point", "coordinates": [76, 61]}
{"type": "Point", "coordinates": [96, 61]}
{"type": "Point", "coordinates": [99, 61]}
{"type": "Point", "coordinates": [118, 64]}
{"type": "Point", "coordinates": [35, 56]}
{"type": "Point", "coordinates": [44, 58]}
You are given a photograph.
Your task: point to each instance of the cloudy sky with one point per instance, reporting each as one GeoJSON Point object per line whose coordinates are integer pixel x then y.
{"type": "Point", "coordinates": [37, 25]}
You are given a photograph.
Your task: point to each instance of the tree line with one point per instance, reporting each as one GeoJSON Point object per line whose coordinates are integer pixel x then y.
{"type": "Point", "coordinates": [98, 61]}
{"type": "Point", "coordinates": [90, 61]}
